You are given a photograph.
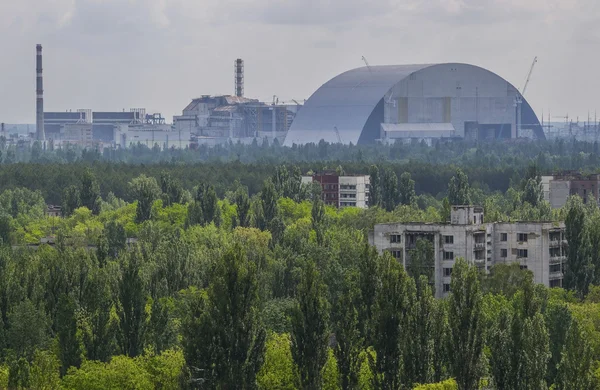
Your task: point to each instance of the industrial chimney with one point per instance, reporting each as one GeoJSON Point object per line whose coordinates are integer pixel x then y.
{"type": "Point", "coordinates": [238, 66]}
{"type": "Point", "coordinates": [40, 134]}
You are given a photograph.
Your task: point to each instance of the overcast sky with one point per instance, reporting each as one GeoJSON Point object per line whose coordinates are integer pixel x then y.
{"type": "Point", "coordinates": [158, 54]}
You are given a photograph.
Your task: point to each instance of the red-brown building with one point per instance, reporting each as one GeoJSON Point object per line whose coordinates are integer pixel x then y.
{"type": "Point", "coordinates": [341, 191]}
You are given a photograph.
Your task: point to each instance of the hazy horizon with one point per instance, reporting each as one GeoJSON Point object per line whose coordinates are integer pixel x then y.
{"type": "Point", "coordinates": [158, 54]}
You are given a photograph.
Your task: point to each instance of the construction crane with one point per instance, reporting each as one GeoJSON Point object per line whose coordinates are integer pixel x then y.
{"type": "Point", "coordinates": [366, 63]}
{"type": "Point", "coordinates": [519, 97]}
{"type": "Point", "coordinates": [529, 76]}
{"type": "Point", "coordinates": [337, 133]}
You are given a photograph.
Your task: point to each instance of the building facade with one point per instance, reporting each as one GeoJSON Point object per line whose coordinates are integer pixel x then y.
{"type": "Point", "coordinates": [558, 188]}
{"type": "Point", "coordinates": [342, 191]}
{"type": "Point", "coordinates": [537, 246]}
{"type": "Point", "coordinates": [221, 118]}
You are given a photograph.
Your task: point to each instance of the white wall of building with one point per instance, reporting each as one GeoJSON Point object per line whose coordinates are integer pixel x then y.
{"type": "Point", "coordinates": [481, 244]}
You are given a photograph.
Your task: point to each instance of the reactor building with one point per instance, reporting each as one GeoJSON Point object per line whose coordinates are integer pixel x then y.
{"type": "Point", "coordinates": [403, 103]}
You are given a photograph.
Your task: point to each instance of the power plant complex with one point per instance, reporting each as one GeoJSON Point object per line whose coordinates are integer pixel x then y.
{"type": "Point", "coordinates": [370, 104]}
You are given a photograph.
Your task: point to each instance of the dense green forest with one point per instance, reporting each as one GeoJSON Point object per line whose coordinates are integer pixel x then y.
{"type": "Point", "coordinates": [491, 167]}
{"type": "Point", "coordinates": [226, 273]}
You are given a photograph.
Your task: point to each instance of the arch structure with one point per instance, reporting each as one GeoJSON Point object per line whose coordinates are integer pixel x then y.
{"type": "Point", "coordinates": [408, 102]}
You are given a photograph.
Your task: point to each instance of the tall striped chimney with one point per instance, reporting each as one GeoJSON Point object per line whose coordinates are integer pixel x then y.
{"type": "Point", "coordinates": [238, 69]}
{"type": "Point", "coordinates": [40, 133]}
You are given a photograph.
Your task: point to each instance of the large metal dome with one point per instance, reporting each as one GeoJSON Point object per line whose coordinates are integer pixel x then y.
{"type": "Point", "coordinates": [356, 103]}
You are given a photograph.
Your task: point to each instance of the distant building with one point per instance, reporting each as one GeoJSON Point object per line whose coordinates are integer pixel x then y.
{"type": "Point", "coordinates": [88, 128]}
{"type": "Point", "coordinates": [420, 132]}
{"type": "Point", "coordinates": [53, 211]}
{"type": "Point", "coordinates": [558, 188]}
{"type": "Point", "coordinates": [342, 191]}
{"type": "Point", "coordinates": [537, 246]}
{"type": "Point", "coordinates": [217, 119]}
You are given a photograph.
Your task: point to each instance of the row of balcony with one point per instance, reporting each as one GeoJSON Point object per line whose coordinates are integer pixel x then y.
{"type": "Point", "coordinates": [557, 243]}
{"type": "Point", "coordinates": [558, 259]}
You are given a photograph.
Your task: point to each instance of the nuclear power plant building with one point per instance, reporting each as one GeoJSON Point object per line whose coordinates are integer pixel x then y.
{"type": "Point", "coordinates": [406, 102]}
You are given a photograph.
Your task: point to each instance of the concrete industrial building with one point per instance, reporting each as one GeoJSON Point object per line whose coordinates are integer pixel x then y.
{"type": "Point", "coordinates": [342, 191]}
{"type": "Point", "coordinates": [537, 246]}
{"type": "Point", "coordinates": [420, 102]}
{"type": "Point", "coordinates": [558, 188]}
{"type": "Point", "coordinates": [88, 128]}
{"type": "Point", "coordinates": [218, 119]}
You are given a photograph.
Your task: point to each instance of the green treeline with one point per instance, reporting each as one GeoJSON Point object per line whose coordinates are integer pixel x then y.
{"type": "Point", "coordinates": [492, 167]}
{"type": "Point", "coordinates": [183, 288]}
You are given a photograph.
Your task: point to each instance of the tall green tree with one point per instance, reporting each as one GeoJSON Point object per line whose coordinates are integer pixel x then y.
{"type": "Point", "coordinates": [458, 189]}
{"type": "Point", "coordinates": [5, 229]}
{"type": "Point", "coordinates": [533, 193]}
{"type": "Point", "coordinates": [501, 349]}
{"type": "Point", "coordinates": [90, 191]}
{"type": "Point", "coordinates": [407, 194]}
{"type": "Point", "coordinates": [194, 214]}
{"type": "Point", "coordinates": [575, 368]}
{"type": "Point", "coordinates": [172, 191]}
{"type": "Point", "coordinates": [28, 329]}
{"type": "Point", "coordinates": [368, 281]}
{"type": "Point", "coordinates": [310, 328]}
{"type": "Point", "coordinates": [278, 370]}
{"type": "Point", "coordinates": [242, 202]}
{"type": "Point", "coordinates": [224, 340]}
{"type": "Point", "coordinates": [132, 305]}
{"type": "Point", "coordinates": [440, 334]}
{"type": "Point", "coordinates": [390, 324]}
{"type": "Point", "coordinates": [419, 354]}
{"type": "Point", "coordinates": [70, 200]}
{"type": "Point", "coordinates": [208, 201]}
{"type": "Point", "coordinates": [70, 351]}
{"type": "Point", "coordinates": [347, 335]}
{"type": "Point", "coordinates": [116, 238]}
{"type": "Point", "coordinates": [99, 330]}
{"type": "Point", "coordinates": [269, 208]}
{"type": "Point", "coordinates": [375, 186]}
{"type": "Point", "coordinates": [145, 190]}
{"type": "Point", "coordinates": [558, 320]}
{"type": "Point", "coordinates": [579, 270]}
{"type": "Point", "coordinates": [281, 181]}
{"type": "Point", "coordinates": [389, 189]}
{"type": "Point", "coordinates": [466, 332]}
{"type": "Point", "coordinates": [536, 353]}
{"type": "Point", "coordinates": [318, 219]}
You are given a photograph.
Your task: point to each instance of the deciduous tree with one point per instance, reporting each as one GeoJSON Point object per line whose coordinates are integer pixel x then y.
{"type": "Point", "coordinates": [407, 195]}
{"type": "Point", "coordinates": [466, 332]}
{"type": "Point", "coordinates": [458, 190]}
{"type": "Point", "coordinates": [310, 330]}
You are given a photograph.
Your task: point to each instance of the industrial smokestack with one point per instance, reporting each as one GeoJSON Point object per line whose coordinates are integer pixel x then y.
{"type": "Point", "coordinates": [238, 66]}
{"type": "Point", "coordinates": [40, 134]}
